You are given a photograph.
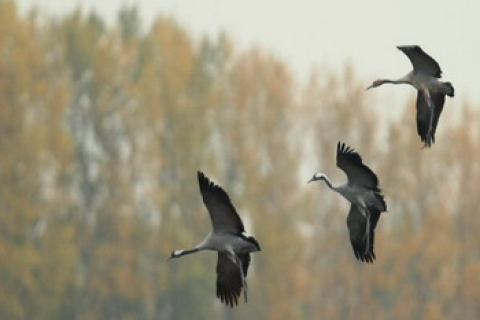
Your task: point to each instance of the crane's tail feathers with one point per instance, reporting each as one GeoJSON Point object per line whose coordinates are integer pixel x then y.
{"type": "Point", "coordinates": [450, 89]}
{"type": "Point", "coordinates": [245, 291]}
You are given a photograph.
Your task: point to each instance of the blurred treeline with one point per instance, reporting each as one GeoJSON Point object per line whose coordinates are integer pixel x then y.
{"type": "Point", "coordinates": [102, 130]}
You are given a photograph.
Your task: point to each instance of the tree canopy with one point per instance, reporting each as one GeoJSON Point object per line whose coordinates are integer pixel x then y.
{"type": "Point", "coordinates": [102, 132]}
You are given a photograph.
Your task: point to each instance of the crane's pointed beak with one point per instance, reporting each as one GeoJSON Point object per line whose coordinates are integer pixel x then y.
{"type": "Point", "coordinates": [311, 180]}
{"type": "Point", "coordinates": [168, 258]}
{"type": "Point", "coordinates": [369, 87]}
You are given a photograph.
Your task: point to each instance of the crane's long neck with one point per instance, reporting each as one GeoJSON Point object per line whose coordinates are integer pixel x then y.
{"type": "Point", "coordinates": [327, 181]}
{"type": "Point", "coordinates": [402, 80]}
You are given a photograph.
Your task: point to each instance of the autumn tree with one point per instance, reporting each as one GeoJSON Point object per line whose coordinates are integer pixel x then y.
{"type": "Point", "coordinates": [103, 130]}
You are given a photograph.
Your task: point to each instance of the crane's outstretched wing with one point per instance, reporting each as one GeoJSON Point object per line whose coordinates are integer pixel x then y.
{"type": "Point", "coordinates": [223, 215]}
{"type": "Point", "coordinates": [421, 61]}
{"type": "Point", "coordinates": [351, 163]}
{"type": "Point", "coordinates": [229, 279]}
{"type": "Point", "coordinates": [357, 225]}
{"type": "Point", "coordinates": [424, 113]}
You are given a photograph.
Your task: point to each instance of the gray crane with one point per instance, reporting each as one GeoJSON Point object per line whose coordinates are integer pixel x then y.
{"type": "Point", "coordinates": [228, 239]}
{"type": "Point", "coordinates": [431, 91]}
{"type": "Point", "coordinates": [364, 194]}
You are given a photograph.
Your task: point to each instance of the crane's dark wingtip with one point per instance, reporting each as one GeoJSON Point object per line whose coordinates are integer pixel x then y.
{"type": "Point", "coordinates": [362, 255]}
{"type": "Point", "coordinates": [203, 180]}
{"type": "Point", "coordinates": [408, 47]}
{"type": "Point", "coordinates": [368, 257]}
{"type": "Point", "coordinates": [228, 296]}
{"type": "Point", "coordinates": [427, 140]}
{"type": "Point", "coordinates": [343, 148]}
{"type": "Point", "coordinates": [206, 184]}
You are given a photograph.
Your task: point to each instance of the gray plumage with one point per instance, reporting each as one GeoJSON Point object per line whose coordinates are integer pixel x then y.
{"type": "Point", "coordinates": [228, 239]}
{"type": "Point", "coordinates": [431, 91]}
{"type": "Point", "coordinates": [363, 192]}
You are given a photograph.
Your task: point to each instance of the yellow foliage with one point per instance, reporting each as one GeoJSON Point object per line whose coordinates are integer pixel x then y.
{"type": "Point", "coordinates": [101, 136]}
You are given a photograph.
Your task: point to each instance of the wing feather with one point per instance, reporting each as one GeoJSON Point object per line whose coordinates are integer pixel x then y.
{"type": "Point", "coordinates": [223, 215]}
{"type": "Point", "coordinates": [357, 224]}
{"type": "Point", "coordinates": [438, 101]}
{"type": "Point", "coordinates": [421, 61]}
{"type": "Point", "coordinates": [357, 173]}
{"type": "Point", "coordinates": [229, 279]}
{"type": "Point", "coordinates": [424, 113]}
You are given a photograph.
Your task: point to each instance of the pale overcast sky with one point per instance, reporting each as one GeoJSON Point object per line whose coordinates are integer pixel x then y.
{"type": "Point", "coordinates": [309, 33]}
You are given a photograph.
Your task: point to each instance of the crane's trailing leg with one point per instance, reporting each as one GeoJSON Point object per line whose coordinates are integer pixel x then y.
{"type": "Point", "coordinates": [431, 105]}
{"type": "Point", "coordinates": [367, 234]}
{"type": "Point", "coordinates": [242, 275]}
{"type": "Point", "coordinates": [429, 139]}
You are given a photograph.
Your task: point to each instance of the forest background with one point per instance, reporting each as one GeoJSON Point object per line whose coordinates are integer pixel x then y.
{"type": "Point", "coordinates": [102, 130]}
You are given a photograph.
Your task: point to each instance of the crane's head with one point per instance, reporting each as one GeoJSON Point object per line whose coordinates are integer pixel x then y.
{"type": "Point", "coordinates": [175, 254]}
{"type": "Point", "coordinates": [318, 176]}
{"type": "Point", "coordinates": [377, 83]}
